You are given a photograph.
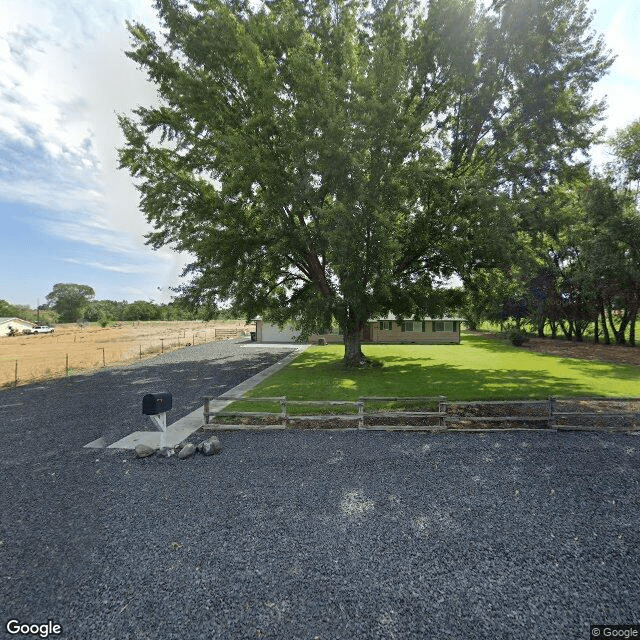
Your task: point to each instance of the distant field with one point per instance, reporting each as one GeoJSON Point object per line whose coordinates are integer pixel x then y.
{"type": "Point", "coordinates": [72, 348]}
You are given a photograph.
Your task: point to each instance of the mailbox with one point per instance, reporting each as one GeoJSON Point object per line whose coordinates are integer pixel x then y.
{"type": "Point", "coordinates": [155, 403]}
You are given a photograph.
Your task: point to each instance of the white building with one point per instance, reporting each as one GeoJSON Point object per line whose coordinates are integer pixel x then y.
{"type": "Point", "coordinates": [15, 323]}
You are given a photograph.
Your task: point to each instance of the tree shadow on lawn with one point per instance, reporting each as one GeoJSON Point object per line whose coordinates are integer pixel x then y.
{"type": "Point", "coordinates": [495, 345]}
{"type": "Point", "coordinates": [620, 371]}
{"type": "Point", "coordinates": [402, 378]}
{"type": "Point", "coordinates": [501, 345]}
{"type": "Point", "coordinates": [456, 383]}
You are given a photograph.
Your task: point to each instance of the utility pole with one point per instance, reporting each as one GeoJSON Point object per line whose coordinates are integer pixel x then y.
{"type": "Point", "coordinates": [38, 310]}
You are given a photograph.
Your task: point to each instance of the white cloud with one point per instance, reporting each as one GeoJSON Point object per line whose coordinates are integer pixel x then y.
{"type": "Point", "coordinates": [64, 78]}
{"type": "Point", "coordinates": [622, 84]}
{"type": "Point", "coordinates": [115, 268]}
{"type": "Point", "coordinates": [622, 37]}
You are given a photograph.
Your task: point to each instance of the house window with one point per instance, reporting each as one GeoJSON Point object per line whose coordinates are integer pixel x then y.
{"type": "Point", "coordinates": [411, 325]}
{"type": "Point", "coordinates": [444, 325]}
{"type": "Point", "coordinates": [386, 325]}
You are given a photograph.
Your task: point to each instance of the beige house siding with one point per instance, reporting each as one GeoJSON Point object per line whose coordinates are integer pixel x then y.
{"type": "Point", "coordinates": [373, 333]}
{"type": "Point", "coordinates": [428, 336]}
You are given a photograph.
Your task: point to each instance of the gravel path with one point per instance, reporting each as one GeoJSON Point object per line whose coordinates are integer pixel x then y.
{"type": "Point", "coordinates": [74, 411]}
{"type": "Point", "coordinates": [304, 535]}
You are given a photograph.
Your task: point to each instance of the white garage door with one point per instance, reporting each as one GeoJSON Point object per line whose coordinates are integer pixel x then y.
{"type": "Point", "coordinates": [271, 333]}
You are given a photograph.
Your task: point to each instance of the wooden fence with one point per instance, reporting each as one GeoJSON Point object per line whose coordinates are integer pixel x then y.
{"type": "Point", "coordinates": [67, 357]}
{"type": "Point", "coordinates": [456, 415]}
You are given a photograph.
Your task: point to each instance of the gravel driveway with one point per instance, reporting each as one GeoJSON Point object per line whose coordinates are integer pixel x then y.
{"type": "Point", "coordinates": [306, 534]}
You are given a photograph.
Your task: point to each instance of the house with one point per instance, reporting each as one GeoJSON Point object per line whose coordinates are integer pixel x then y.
{"type": "Point", "coordinates": [380, 330]}
{"type": "Point", "coordinates": [426, 331]}
{"type": "Point", "coordinates": [15, 323]}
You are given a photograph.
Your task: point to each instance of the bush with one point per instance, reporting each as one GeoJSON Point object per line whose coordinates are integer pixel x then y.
{"type": "Point", "coordinates": [517, 338]}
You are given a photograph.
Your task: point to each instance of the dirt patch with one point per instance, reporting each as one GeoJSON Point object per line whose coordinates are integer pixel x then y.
{"type": "Point", "coordinates": [72, 348]}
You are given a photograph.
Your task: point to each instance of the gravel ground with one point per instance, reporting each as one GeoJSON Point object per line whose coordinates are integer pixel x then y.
{"type": "Point", "coordinates": [307, 534]}
{"type": "Point", "coordinates": [108, 402]}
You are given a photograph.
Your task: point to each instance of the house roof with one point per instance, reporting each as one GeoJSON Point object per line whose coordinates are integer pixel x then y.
{"type": "Point", "coordinates": [390, 316]}
{"type": "Point", "coordinates": [3, 320]}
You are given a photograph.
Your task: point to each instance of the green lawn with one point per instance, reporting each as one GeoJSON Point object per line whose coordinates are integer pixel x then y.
{"type": "Point", "coordinates": [477, 369]}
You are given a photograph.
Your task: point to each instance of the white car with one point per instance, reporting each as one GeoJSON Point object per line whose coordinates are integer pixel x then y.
{"type": "Point", "coordinates": [42, 328]}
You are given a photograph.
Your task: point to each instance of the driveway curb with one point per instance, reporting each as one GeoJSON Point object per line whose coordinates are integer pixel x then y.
{"type": "Point", "coordinates": [184, 427]}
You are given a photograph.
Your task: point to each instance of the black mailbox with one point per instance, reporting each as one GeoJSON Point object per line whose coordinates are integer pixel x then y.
{"type": "Point", "coordinates": [155, 403]}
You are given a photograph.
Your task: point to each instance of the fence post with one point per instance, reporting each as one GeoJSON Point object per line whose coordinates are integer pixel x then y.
{"type": "Point", "coordinates": [552, 410]}
{"type": "Point", "coordinates": [67, 366]}
{"type": "Point", "coordinates": [442, 408]}
{"type": "Point", "coordinates": [360, 405]}
{"type": "Point", "coordinates": [15, 384]}
{"type": "Point", "coordinates": [283, 411]}
{"type": "Point", "coordinates": [206, 410]}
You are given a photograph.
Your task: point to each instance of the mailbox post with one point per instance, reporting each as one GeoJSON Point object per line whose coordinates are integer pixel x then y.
{"type": "Point", "coordinates": [156, 405]}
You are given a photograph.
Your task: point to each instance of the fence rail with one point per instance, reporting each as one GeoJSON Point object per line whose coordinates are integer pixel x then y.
{"type": "Point", "coordinates": [72, 354]}
{"type": "Point", "coordinates": [547, 416]}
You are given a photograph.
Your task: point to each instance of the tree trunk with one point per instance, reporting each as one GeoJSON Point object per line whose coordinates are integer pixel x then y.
{"type": "Point", "coordinates": [596, 331]}
{"type": "Point", "coordinates": [353, 356]}
{"type": "Point", "coordinates": [578, 330]}
{"type": "Point", "coordinates": [633, 316]}
{"type": "Point", "coordinates": [619, 332]}
{"type": "Point", "coordinates": [605, 330]}
{"type": "Point", "coordinates": [541, 320]}
{"type": "Point", "coordinates": [568, 330]}
{"type": "Point", "coordinates": [554, 329]}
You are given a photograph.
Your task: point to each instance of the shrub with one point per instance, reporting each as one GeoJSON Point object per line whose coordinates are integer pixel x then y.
{"type": "Point", "coordinates": [517, 338]}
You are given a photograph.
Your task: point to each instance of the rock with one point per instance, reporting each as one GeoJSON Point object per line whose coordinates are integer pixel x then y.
{"type": "Point", "coordinates": [188, 450]}
{"type": "Point", "coordinates": [165, 452]}
{"type": "Point", "coordinates": [144, 450]}
{"type": "Point", "coordinates": [211, 446]}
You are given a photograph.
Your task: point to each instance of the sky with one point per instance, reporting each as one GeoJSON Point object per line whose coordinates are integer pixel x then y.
{"type": "Point", "coordinates": [67, 213]}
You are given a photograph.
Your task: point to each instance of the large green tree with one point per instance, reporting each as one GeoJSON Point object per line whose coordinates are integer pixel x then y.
{"type": "Point", "coordinates": [70, 300]}
{"type": "Point", "coordinates": [338, 159]}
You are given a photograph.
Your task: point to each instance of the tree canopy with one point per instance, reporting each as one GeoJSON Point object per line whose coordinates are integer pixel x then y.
{"type": "Point", "coordinates": [338, 160]}
{"type": "Point", "coordinates": [70, 300]}
{"type": "Point", "coordinates": [625, 145]}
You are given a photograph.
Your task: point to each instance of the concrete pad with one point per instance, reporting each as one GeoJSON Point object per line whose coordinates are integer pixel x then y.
{"type": "Point", "coordinates": [183, 428]}
{"type": "Point", "coordinates": [272, 345]}
{"type": "Point", "coordinates": [99, 443]}
{"type": "Point", "coordinates": [255, 380]}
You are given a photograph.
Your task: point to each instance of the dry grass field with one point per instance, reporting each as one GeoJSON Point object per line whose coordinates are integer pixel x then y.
{"type": "Point", "coordinates": [72, 348]}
